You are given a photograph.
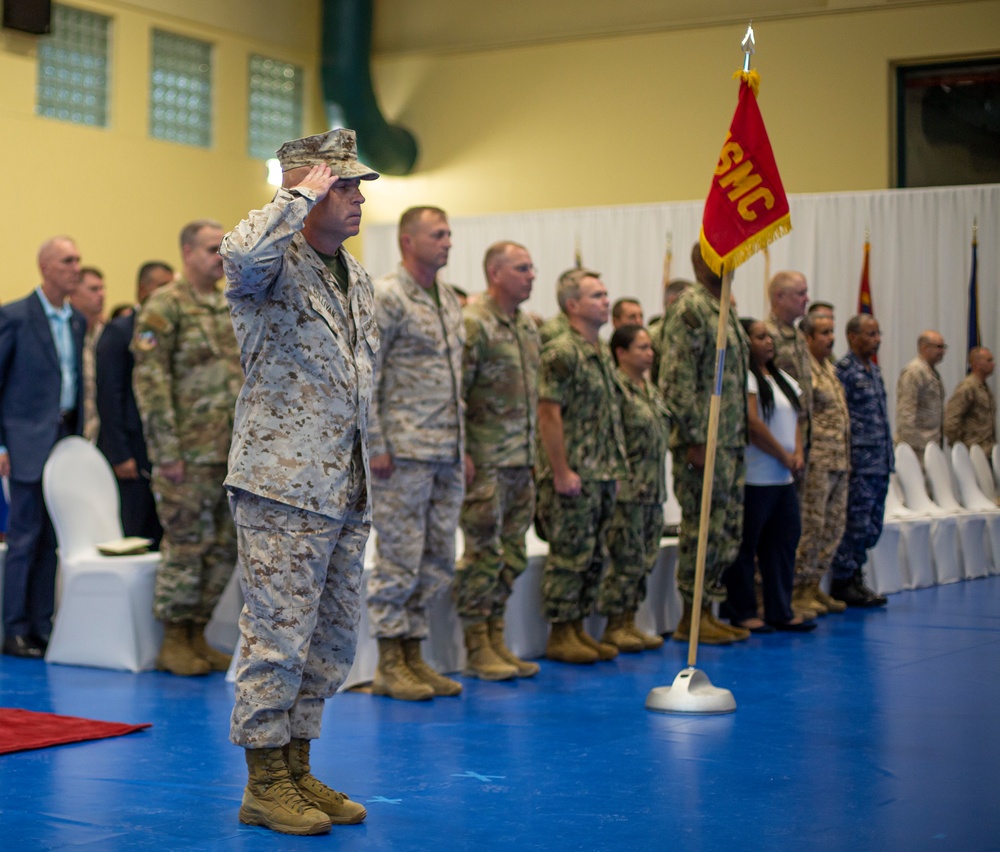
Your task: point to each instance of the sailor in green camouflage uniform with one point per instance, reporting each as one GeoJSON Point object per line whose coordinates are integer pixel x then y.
{"type": "Point", "coordinates": [187, 376]}
{"type": "Point", "coordinates": [637, 523]}
{"type": "Point", "coordinates": [687, 377]}
{"type": "Point", "coordinates": [582, 455]}
{"type": "Point", "coordinates": [500, 384]}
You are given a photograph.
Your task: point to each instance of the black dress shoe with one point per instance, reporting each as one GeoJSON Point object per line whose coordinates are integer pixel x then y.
{"type": "Point", "coordinates": [41, 640]}
{"type": "Point", "coordinates": [793, 626]}
{"type": "Point", "coordinates": [22, 646]}
{"type": "Point", "coordinates": [854, 592]}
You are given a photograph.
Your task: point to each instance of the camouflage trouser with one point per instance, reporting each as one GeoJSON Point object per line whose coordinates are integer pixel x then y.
{"type": "Point", "coordinates": [301, 579]}
{"type": "Point", "coordinates": [865, 508]}
{"type": "Point", "coordinates": [633, 543]}
{"type": "Point", "coordinates": [416, 516]}
{"type": "Point", "coordinates": [495, 516]}
{"type": "Point", "coordinates": [725, 523]}
{"type": "Point", "coordinates": [199, 543]}
{"type": "Point", "coordinates": [824, 516]}
{"type": "Point", "coordinates": [577, 529]}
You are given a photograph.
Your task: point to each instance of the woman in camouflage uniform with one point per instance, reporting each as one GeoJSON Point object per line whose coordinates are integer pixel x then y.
{"type": "Point", "coordinates": [637, 523]}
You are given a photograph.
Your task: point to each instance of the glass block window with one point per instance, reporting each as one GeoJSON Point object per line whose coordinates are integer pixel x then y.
{"type": "Point", "coordinates": [275, 105]}
{"type": "Point", "coordinates": [73, 68]}
{"type": "Point", "coordinates": [180, 91]}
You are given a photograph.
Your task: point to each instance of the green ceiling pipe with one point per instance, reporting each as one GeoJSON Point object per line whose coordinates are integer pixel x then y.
{"type": "Point", "coordinates": [347, 88]}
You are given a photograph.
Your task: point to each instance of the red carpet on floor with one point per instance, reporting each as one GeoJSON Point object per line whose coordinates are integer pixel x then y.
{"type": "Point", "coordinates": [21, 730]}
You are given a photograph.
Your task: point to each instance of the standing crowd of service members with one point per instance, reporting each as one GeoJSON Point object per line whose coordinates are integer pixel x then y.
{"type": "Point", "coordinates": [273, 423]}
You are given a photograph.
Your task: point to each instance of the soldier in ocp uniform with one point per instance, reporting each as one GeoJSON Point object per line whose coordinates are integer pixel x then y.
{"type": "Point", "coordinates": [303, 310]}
{"type": "Point", "coordinates": [186, 378]}
{"type": "Point", "coordinates": [500, 385]}
{"type": "Point", "coordinates": [637, 522]}
{"type": "Point", "coordinates": [687, 376]}
{"type": "Point", "coordinates": [581, 457]}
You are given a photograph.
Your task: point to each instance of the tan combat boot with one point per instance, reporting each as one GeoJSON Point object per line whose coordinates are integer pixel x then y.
{"type": "Point", "coordinates": [480, 659]}
{"type": "Point", "coordinates": [272, 800]}
{"type": "Point", "coordinates": [650, 641]}
{"type": "Point", "coordinates": [739, 634]}
{"type": "Point", "coordinates": [604, 650]}
{"type": "Point", "coordinates": [216, 660]}
{"type": "Point", "coordinates": [340, 809]}
{"type": "Point", "coordinates": [524, 668]}
{"type": "Point", "coordinates": [708, 633]}
{"type": "Point", "coordinates": [565, 647]}
{"type": "Point", "coordinates": [617, 633]}
{"type": "Point", "coordinates": [803, 604]}
{"type": "Point", "coordinates": [831, 604]}
{"type": "Point", "coordinates": [415, 663]}
{"type": "Point", "coordinates": [394, 678]}
{"type": "Point", "coordinates": [176, 654]}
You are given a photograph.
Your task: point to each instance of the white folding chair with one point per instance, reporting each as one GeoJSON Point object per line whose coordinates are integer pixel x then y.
{"type": "Point", "coordinates": [944, 543]}
{"type": "Point", "coordinates": [902, 557]}
{"type": "Point", "coordinates": [977, 557]}
{"type": "Point", "coordinates": [984, 472]}
{"type": "Point", "coordinates": [974, 501]}
{"type": "Point", "coordinates": [104, 617]}
{"type": "Point", "coordinates": [995, 459]}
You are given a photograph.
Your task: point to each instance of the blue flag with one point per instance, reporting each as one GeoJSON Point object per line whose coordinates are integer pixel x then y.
{"type": "Point", "coordinates": [975, 338]}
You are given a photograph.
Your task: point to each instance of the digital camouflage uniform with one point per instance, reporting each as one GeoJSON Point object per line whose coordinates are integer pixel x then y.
{"type": "Point", "coordinates": [871, 463]}
{"type": "Point", "coordinates": [298, 469]}
{"type": "Point", "coordinates": [418, 417]}
{"type": "Point", "coordinates": [500, 384]}
{"type": "Point", "coordinates": [553, 327]}
{"type": "Point", "coordinates": [186, 378]}
{"type": "Point", "coordinates": [791, 354]}
{"type": "Point", "coordinates": [687, 377]}
{"type": "Point", "coordinates": [824, 490]}
{"type": "Point", "coordinates": [637, 522]}
{"type": "Point", "coordinates": [971, 414]}
{"type": "Point", "coordinates": [579, 377]}
{"type": "Point", "coordinates": [919, 406]}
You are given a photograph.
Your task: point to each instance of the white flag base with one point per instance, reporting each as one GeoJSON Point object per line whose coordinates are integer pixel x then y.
{"type": "Point", "coordinates": [692, 693]}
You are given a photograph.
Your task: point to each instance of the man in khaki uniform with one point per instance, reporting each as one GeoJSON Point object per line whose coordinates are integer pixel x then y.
{"type": "Point", "coordinates": [500, 385]}
{"type": "Point", "coordinates": [971, 413]}
{"type": "Point", "coordinates": [417, 454]}
{"type": "Point", "coordinates": [186, 377]}
{"type": "Point", "coordinates": [920, 396]}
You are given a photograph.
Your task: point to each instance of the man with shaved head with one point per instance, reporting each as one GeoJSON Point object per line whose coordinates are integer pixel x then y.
{"type": "Point", "coordinates": [920, 396]}
{"type": "Point", "coordinates": [41, 401]}
{"type": "Point", "coordinates": [971, 413]}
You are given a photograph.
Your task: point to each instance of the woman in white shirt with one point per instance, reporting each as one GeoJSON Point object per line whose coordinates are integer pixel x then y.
{"type": "Point", "coordinates": [771, 522]}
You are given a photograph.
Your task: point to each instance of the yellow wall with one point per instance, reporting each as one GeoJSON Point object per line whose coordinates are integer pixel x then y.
{"type": "Point", "coordinates": [122, 195]}
{"type": "Point", "coordinates": [642, 118]}
{"type": "Point", "coordinates": [618, 120]}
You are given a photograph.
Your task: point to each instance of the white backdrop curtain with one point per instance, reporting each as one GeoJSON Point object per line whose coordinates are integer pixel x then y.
{"type": "Point", "coordinates": [921, 256]}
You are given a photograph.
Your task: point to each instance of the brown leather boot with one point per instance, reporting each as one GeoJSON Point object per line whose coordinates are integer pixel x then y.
{"type": "Point", "coordinates": [604, 650]}
{"type": "Point", "coordinates": [216, 660]}
{"type": "Point", "coordinates": [176, 654]}
{"type": "Point", "coordinates": [441, 685]}
{"type": "Point", "coordinates": [340, 809]}
{"type": "Point", "coordinates": [393, 676]}
{"type": "Point", "coordinates": [708, 633]}
{"type": "Point", "coordinates": [524, 668]}
{"type": "Point", "coordinates": [618, 634]}
{"type": "Point", "coordinates": [650, 641]}
{"type": "Point", "coordinates": [831, 604]}
{"type": "Point", "coordinates": [564, 646]}
{"type": "Point", "coordinates": [273, 801]}
{"type": "Point", "coordinates": [480, 659]}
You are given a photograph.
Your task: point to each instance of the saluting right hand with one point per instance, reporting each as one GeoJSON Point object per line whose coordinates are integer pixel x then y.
{"type": "Point", "coordinates": [318, 180]}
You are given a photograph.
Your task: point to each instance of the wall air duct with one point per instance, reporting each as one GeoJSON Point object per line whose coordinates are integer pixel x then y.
{"type": "Point", "coordinates": [347, 88]}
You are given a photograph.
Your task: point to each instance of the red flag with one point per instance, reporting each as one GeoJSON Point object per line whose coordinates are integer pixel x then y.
{"type": "Point", "coordinates": [865, 290]}
{"type": "Point", "coordinates": [746, 206]}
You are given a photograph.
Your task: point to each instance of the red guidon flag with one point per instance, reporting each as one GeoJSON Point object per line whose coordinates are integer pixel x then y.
{"type": "Point", "coordinates": [746, 207]}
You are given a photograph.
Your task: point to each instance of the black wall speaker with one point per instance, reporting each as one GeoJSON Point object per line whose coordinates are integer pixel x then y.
{"type": "Point", "coordinates": [29, 16]}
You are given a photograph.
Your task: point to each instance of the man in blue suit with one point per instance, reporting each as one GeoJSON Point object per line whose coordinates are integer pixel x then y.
{"type": "Point", "coordinates": [41, 401]}
{"type": "Point", "coordinates": [121, 438]}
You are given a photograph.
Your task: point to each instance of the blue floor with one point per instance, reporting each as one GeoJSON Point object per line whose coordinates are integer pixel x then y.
{"type": "Point", "coordinates": [878, 731]}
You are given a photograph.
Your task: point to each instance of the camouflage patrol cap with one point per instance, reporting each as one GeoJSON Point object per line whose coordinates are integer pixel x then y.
{"type": "Point", "coordinates": [336, 148]}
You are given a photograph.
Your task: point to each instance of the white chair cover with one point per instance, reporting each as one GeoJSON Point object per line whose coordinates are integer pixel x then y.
{"type": "Point", "coordinates": [977, 556]}
{"type": "Point", "coordinates": [104, 616]}
{"type": "Point", "coordinates": [984, 472]}
{"type": "Point", "coordinates": [945, 546]}
{"type": "Point", "coordinates": [995, 458]}
{"type": "Point", "coordinates": [973, 500]}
